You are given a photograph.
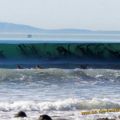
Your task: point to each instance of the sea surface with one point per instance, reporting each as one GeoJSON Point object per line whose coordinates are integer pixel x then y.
{"type": "Point", "coordinates": [60, 93]}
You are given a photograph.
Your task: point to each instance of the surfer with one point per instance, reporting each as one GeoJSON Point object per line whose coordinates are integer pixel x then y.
{"type": "Point", "coordinates": [38, 67]}
{"type": "Point", "coordinates": [83, 66]}
{"type": "Point", "coordinates": [19, 67]}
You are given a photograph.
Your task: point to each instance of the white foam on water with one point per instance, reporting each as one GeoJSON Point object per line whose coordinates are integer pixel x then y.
{"type": "Point", "coordinates": [31, 82]}
{"type": "Point", "coordinates": [59, 105]}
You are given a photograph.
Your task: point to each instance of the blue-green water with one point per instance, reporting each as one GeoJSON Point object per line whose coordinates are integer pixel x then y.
{"type": "Point", "coordinates": [96, 48]}
{"type": "Point", "coordinates": [60, 51]}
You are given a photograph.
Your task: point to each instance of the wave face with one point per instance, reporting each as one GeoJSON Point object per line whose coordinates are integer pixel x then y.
{"type": "Point", "coordinates": [57, 51]}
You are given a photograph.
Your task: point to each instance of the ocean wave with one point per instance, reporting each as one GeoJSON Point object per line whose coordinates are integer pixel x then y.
{"type": "Point", "coordinates": [23, 74]}
{"type": "Point", "coordinates": [60, 105]}
{"type": "Point", "coordinates": [61, 74]}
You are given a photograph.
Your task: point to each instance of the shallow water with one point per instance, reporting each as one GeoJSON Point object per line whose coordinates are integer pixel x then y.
{"type": "Point", "coordinates": [61, 93]}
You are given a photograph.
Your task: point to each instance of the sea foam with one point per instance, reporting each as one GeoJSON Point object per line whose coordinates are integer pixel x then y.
{"type": "Point", "coordinates": [59, 105]}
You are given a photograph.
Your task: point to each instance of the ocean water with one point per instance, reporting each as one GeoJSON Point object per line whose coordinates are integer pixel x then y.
{"type": "Point", "coordinates": [60, 93]}
{"type": "Point", "coordinates": [54, 46]}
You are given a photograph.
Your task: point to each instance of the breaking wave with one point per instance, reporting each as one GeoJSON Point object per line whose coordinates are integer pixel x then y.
{"type": "Point", "coordinates": [60, 105]}
{"type": "Point", "coordinates": [88, 75]}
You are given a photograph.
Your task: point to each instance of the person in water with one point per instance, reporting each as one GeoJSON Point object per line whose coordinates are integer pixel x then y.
{"type": "Point", "coordinates": [38, 67]}
{"type": "Point", "coordinates": [19, 67]}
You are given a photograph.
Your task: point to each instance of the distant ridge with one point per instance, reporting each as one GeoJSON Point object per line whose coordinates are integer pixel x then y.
{"type": "Point", "coordinates": [20, 28]}
{"type": "Point", "coordinates": [11, 27]}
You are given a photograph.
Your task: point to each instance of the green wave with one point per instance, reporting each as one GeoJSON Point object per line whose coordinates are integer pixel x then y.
{"type": "Point", "coordinates": [59, 51]}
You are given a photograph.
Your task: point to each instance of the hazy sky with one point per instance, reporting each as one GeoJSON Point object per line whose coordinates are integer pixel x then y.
{"type": "Point", "coordinates": [53, 14]}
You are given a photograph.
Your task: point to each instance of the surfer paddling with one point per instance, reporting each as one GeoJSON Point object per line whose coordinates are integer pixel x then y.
{"type": "Point", "coordinates": [38, 67]}
{"type": "Point", "coordinates": [19, 67]}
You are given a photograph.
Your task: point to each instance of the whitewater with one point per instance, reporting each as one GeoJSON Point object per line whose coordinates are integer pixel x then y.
{"type": "Point", "coordinates": [60, 93]}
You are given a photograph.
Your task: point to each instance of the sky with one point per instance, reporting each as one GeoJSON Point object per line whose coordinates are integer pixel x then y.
{"type": "Point", "coordinates": [57, 14]}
